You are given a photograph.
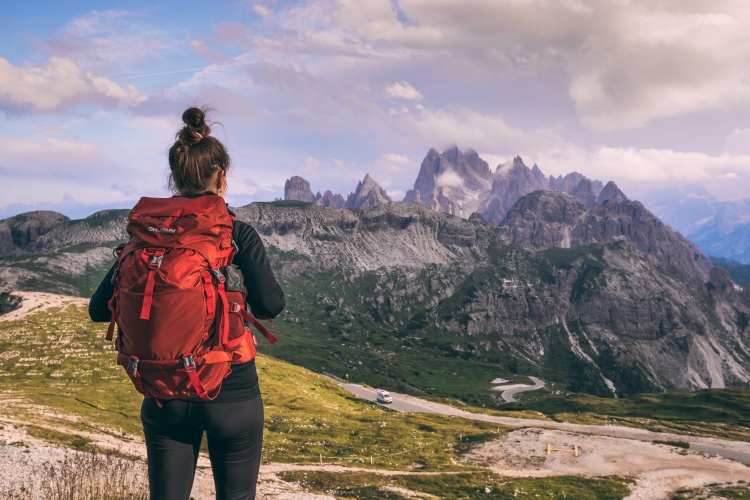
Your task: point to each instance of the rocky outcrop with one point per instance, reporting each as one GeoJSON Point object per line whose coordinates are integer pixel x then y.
{"type": "Point", "coordinates": [37, 232]}
{"type": "Point", "coordinates": [720, 282]}
{"type": "Point", "coordinates": [584, 191]}
{"type": "Point", "coordinates": [297, 188]}
{"type": "Point", "coordinates": [548, 219]}
{"type": "Point", "coordinates": [330, 200]}
{"type": "Point", "coordinates": [20, 234]}
{"type": "Point", "coordinates": [9, 302]}
{"type": "Point", "coordinates": [611, 193]}
{"type": "Point", "coordinates": [452, 182]}
{"type": "Point", "coordinates": [544, 219]}
{"type": "Point", "coordinates": [567, 183]}
{"type": "Point", "coordinates": [368, 195]}
{"type": "Point", "coordinates": [510, 183]}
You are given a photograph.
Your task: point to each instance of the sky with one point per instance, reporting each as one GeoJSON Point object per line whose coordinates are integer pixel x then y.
{"type": "Point", "coordinates": [648, 93]}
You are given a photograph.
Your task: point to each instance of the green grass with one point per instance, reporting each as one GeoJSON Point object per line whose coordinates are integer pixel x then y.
{"type": "Point", "coordinates": [729, 491]}
{"type": "Point", "coordinates": [364, 485]}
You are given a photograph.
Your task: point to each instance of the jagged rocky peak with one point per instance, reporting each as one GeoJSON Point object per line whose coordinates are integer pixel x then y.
{"type": "Point", "coordinates": [570, 181]}
{"type": "Point", "coordinates": [453, 182]}
{"type": "Point", "coordinates": [330, 200]}
{"type": "Point", "coordinates": [18, 234]}
{"type": "Point", "coordinates": [585, 192]}
{"type": "Point", "coordinates": [611, 193]}
{"type": "Point", "coordinates": [297, 188]}
{"type": "Point", "coordinates": [511, 182]}
{"type": "Point", "coordinates": [368, 194]}
{"type": "Point", "coordinates": [472, 170]}
{"type": "Point", "coordinates": [539, 176]}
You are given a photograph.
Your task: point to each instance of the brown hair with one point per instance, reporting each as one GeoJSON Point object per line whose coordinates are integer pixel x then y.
{"type": "Point", "coordinates": [195, 156]}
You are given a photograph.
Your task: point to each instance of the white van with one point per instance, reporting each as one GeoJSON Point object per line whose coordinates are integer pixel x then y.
{"type": "Point", "coordinates": [383, 397]}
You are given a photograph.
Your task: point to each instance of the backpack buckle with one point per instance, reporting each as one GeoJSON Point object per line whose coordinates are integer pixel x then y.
{"type": "Point", "coordinates": [155, 262]}
{"type": "Point", "coordinates": [218, 276]}
{"type": "Point", "coordinates": [188, 362]}
{"type": "Point", "coordinates": [133, 365]}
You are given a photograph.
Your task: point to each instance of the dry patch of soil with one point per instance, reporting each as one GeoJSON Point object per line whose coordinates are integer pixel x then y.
{"type": "Point", "coordinates": [34, 302]}
{"type": "Point", "coordinates": [659, 469]}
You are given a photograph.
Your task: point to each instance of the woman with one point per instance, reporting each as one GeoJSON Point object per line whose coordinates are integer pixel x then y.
{"type": "Point", "coordinates": [233, 421]}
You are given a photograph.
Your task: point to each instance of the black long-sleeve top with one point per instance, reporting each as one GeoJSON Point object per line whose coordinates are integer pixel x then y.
{"type": "Point", "coordinates": [265, 298]}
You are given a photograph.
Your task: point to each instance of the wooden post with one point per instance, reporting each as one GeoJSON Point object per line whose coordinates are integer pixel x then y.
{"type": "Point", "coordinates": [321, 458]}
{"type": "Point", "coordinates": [575, 450]}
{"type": "Point", "coordinates": [549, 449]}
{"type": "Point", "coordinates": [370, 459]}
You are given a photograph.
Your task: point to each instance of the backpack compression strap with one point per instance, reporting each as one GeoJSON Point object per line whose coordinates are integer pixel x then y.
{"type": "Point", "coordinates": [238, 309]}
{"type": "Point", "coordinates": [189, 363]}
{"type": "Point", "coordinates": [154, 263]}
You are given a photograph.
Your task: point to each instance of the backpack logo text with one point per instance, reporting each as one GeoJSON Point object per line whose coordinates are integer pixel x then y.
{"type": "Point", "coordinates": [162, 230]}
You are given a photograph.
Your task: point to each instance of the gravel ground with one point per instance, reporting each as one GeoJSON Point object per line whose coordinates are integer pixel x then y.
{"type": "Point", "coordinates": [659, 469]}
{"type": "Point", "coordinates": [23, 460]}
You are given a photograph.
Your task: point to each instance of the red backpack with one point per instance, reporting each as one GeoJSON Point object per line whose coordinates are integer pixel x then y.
{"type": "Point", "coordinates": [180, 322]}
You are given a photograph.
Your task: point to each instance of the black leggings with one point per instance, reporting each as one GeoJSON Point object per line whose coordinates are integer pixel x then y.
{"type": "Point", "coordinates": [173, 438]}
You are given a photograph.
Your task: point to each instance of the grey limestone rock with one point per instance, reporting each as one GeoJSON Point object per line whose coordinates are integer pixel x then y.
{"type": "Point", "coordinates": [368, 194]}
{"type": "Point", "coordinates": [297, 188]}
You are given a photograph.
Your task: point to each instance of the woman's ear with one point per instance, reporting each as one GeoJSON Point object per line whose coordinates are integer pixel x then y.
{"type": "Point", "coordinates": [221, 182]}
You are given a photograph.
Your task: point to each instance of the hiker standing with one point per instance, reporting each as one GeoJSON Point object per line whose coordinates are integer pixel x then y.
{"type": "Point", "coordinates": [211, 387]}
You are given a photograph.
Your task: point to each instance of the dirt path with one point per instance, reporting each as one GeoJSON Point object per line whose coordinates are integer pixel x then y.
{"type": "Point", "coordinates": [659, 469]}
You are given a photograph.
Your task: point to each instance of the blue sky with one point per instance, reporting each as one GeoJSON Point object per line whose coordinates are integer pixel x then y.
{"type": "Point", "coordinates": [648, 93]}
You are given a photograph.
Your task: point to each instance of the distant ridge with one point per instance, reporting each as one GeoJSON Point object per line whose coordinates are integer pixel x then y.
{"type": "Point", "coordinates": [462, 183]}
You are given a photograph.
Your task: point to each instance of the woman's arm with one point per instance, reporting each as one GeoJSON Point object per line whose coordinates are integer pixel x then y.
{"type": "Point", "coordinates": [99, 304]}
{"type": "Point", "coordinates": [265, 296]}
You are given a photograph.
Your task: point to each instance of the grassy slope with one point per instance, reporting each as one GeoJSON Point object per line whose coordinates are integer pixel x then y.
{"type": "Point", "coordinates": [66, 381]}
{"type": "Point", "coordinates": [67, 365]}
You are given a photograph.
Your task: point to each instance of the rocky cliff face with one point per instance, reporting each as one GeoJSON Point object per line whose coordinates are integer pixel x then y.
{"type": "Point", "coordinates": [630, 305]}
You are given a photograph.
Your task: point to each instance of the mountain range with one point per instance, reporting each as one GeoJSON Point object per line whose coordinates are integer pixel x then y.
{"type": "Point", "coordinates": [462, 183]}
{"type": "Point", "coordinates": [594, 293]}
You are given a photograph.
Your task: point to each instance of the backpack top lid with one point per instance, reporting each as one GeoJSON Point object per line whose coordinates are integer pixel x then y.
{"type": "Point", "coordinates": [180, 221]}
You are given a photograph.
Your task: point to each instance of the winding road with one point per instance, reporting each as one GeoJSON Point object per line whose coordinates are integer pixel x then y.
{"type": "Point", "coordinates": [734, 450]}
{"type": "Point", "coordinates": [508, 396]}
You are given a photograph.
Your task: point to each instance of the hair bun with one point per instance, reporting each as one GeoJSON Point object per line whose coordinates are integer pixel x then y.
{"type": "Point", "coordinates": [195, 128]}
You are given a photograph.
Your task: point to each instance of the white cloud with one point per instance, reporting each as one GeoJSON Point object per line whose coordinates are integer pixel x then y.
{"type": "Point", "coordinates": [262, 11]}
{"type": "Point", "coordinates": [392, 162]}
{"type": "Point", "coordinates": [627, 63]}
{"type": "Point", "coordinates": [449, 178]}
{"type": "Point", "coordinates": [32, 156]}
{"type": "Point", "coordinates": [726, 176]}
{"type": "Point", "coordinates": [738, 142]}
{"type": "Point", "coordinates": [114, 41]}
{"type": "Point", "coordinates": [403, 90]}
{"type": "Point", "coordinates": [57, 86]}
